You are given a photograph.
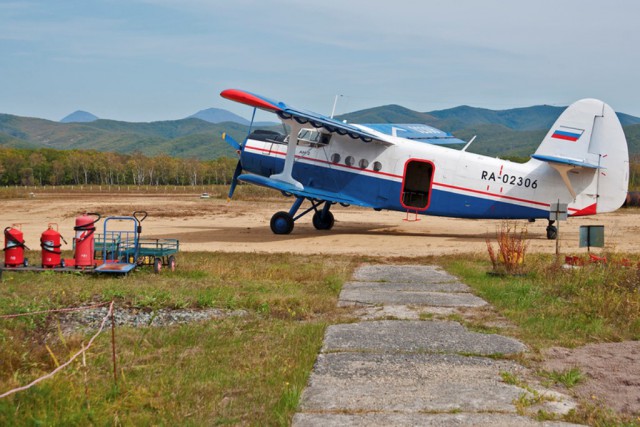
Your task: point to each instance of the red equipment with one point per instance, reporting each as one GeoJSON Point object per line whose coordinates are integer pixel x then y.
{"type": "Point", "coordinates": [50, 244]}
{"type": "Point", "coordinates": [85, 227]}
{"type": "Point", "coordinates": [14, 247]}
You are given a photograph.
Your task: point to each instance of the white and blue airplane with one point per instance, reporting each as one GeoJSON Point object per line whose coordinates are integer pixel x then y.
{"type": "Point", "coordinates": [582, 162]}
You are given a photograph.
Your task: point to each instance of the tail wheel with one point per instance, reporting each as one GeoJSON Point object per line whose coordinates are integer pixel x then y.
{"type": "Point", "coordinates": [323, 222]}
{"type": "Point", "coordinates": [172, 263]}
{"type": "Point", "coordinates": [157, 265]}
{"type": "Point", "coordinates": [281, 223]}
{"type": "Point", "coordinates": [552, 232]}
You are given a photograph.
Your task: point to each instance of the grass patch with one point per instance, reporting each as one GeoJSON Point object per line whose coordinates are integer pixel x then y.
{"type": "Point", "coordinates": [556, 306]}
{"type": "Point", "coordinates": [569, 378]}
{"type": "Point", "coordinates": [238, 370]}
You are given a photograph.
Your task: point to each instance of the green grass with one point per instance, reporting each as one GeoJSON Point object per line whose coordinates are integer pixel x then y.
{"type": "Point", "coordinates": [249, 369]}
{"type": "Point", "coordinates": [556, 306]}
{"type": "Point", "coordinates": [569, 378]}
{"type": "Point", "coordinates": [252, 369]}
{"type": "Point", "coordinates": [553, 306]}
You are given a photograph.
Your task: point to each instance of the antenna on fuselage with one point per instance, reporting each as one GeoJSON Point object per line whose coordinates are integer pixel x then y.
{"type": "Point", "coordinates": [469, 143]}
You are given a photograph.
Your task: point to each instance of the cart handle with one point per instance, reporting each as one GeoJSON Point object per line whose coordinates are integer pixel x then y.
{"type": "Point", "coordinates": [139, 220]}
{"type": "Point", "coordinates": [137, 213]}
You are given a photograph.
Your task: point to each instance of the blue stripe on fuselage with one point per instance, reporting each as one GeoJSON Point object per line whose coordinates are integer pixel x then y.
{"type": "Point", "coordinates": [384, 193]}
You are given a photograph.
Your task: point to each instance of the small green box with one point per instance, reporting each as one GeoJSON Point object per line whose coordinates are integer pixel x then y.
{"type": "Point", "coordinates": [592, 236]}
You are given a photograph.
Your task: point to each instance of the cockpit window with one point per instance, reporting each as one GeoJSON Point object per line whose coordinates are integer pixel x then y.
{"type": "Point", "coordinates": [314, 137]}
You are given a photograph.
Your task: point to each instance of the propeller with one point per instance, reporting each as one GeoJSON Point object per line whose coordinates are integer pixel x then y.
{"type": "Point", "coordinates": [238, 147]}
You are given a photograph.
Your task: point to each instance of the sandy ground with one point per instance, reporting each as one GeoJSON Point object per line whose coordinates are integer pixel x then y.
{"type": "Point", "coordinates": [243, 226]}
{"type": "Point", "coordinates": [612, 371]}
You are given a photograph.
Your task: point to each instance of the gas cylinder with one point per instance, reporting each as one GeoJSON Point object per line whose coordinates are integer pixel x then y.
{"type": "Point", "coordinates": [50, 244]}
{"type": "Point", "coordinates": [14, 246]}
{"type": "Point", "coordinates": [85, 227]}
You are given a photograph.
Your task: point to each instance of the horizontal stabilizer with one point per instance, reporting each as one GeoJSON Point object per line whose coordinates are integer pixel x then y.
{"type": "Point", "coordinates": [565, 161]}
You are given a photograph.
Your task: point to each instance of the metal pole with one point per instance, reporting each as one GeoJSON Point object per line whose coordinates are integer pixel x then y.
{"type": "Point", "coordinates": [113, 346]}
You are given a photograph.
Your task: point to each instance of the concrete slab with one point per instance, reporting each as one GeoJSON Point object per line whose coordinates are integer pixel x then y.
{"type": "Point", "coordinates": [355, 297]}
{"type": "Point", "coordinates": [363, 382]}
{"type": "Point", "coordinates": [416, 419]}
{"type": "Point", "coordinates": [403, 274]}
{"type": "Point", "coordinates": [416, 336]}
{"type": "Point", "coordinates": [413, 372]}
{"type": "Point", "coordinates": [408, 287]}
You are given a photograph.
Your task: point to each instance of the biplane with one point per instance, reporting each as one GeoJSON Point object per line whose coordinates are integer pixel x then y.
{"type": "Point", "coordinates": [581, 162]}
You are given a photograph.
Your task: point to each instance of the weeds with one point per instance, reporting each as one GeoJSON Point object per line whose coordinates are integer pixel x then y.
{"type": "Point", "coordinates": [512, 246]}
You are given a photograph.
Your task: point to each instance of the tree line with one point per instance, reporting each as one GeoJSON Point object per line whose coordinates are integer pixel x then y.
{"type": "Point", "coordinates": [77, 167]}
{"type": "Point", "coordinates": [47, 166]}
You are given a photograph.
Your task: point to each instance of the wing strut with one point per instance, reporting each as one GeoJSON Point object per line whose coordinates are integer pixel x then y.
{"type": "Point", "coordinates": [285, 175]}
{"type": "Point", "coordinates": [563, 170]}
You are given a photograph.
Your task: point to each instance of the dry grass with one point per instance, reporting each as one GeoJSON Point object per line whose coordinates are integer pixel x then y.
{"type": "Point", "coordinates": [237, 370]}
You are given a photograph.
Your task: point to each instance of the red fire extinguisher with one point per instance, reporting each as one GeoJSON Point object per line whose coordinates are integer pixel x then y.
{"type": "Point", "coordinates": [85, 227]}
{"type": "Point", "coordinates": [14, 247]}
{"type": "Point", "coordinates": [50, 244]}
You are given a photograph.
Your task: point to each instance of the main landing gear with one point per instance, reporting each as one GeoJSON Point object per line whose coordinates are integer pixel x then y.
{"type": "Point", "coordinates": [282, 222]}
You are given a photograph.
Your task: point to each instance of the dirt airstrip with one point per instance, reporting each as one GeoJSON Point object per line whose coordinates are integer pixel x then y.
{"type": "Point", "coordinates": [243, 226]}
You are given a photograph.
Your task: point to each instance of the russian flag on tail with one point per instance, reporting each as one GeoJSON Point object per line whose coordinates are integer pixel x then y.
{"type": "Point", "coordinates": [567, 134]}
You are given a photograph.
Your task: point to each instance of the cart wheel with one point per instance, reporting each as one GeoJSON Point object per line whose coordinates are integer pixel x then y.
{"type": "Point", "coordinates": [172, 263]}
{"type": "Point", "coordinates": [157, 265]}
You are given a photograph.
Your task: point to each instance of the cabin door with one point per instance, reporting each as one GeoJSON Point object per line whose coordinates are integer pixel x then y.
{"type": "Point", "coordinates": [416, 184]}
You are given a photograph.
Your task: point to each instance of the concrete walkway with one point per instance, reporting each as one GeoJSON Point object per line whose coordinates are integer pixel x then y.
{"type": "Point", "coordinates": [404, 363]}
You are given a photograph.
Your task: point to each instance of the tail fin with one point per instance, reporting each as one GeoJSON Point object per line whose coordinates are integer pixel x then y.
{"type": "Point", "coordinates": [587, 146]}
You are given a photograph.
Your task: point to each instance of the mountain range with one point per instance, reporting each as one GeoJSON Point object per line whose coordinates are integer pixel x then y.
{"type": "Point", "coordinates": [513, 132]}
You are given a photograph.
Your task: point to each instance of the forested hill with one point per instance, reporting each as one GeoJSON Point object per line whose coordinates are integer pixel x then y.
{"type": "Point", "coordinates": [514, 132]}
{"type": "Point", "coordinates": [189, 137]}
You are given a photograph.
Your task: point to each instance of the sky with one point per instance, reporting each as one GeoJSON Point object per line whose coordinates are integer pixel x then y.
{"type": "Point", "coordinates": [149, 60]}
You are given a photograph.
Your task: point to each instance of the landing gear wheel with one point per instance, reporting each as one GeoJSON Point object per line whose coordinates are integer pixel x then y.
{"type": "Point", "coordinates": [157, 265]}
{"type": "Point", "coordinates": [281, 223]}
{"type": "Point", "coordinates": [552, 232]}
{"type": "Point", "coordinates": [323, 223]}
{"type": "Point", "coordinates": [172, 263]}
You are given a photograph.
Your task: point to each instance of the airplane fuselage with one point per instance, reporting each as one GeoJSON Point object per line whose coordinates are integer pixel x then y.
{"type": "Point", "coordinates": [422, 178]}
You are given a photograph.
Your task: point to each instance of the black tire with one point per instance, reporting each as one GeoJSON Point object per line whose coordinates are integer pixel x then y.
{"type": "Point", "coordinates": [172, 263]}
{"type": "Point", "coordinates": [281, 223]}
{"type": "Point", "coordinates": [26, 262]}
{"type": "Point", "coordinates": [321, 222]}
{"type": "Point", "coordinates": [552, 232]}
{"type": "Point", "coordinates": [157, 265]}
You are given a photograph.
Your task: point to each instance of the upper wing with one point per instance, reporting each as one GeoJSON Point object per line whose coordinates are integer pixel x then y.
{"type": "Point", "coordinates": [304, 117]}
{"type": "Point", "coordinates": [366, 133]}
